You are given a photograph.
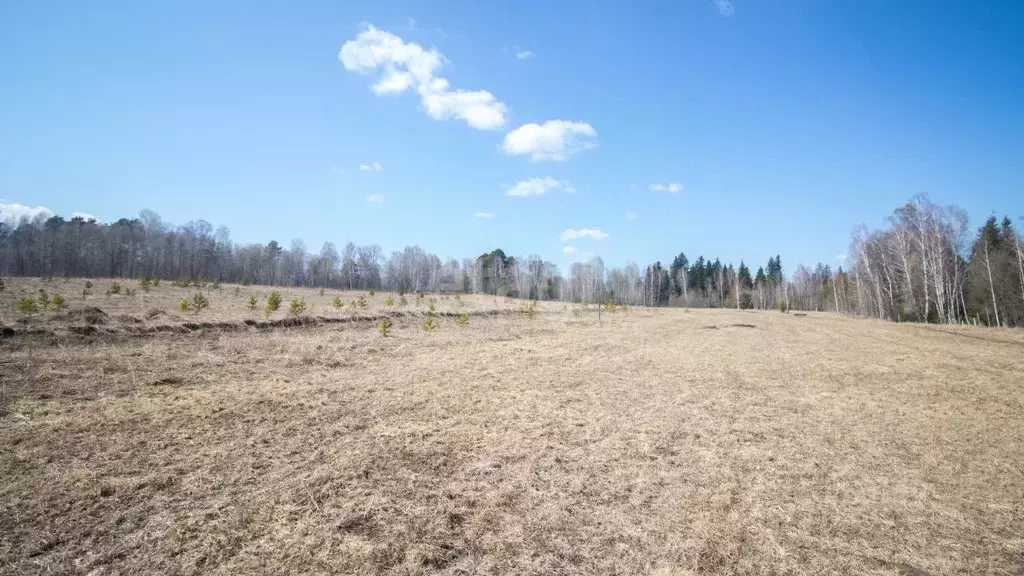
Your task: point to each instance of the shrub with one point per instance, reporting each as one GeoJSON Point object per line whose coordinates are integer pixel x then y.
{"type": "Point", "coordinates": [2, 285]}
{"type": "Point", "coordinates": [431, 307]}
{"type": "Point", "coordinates": [401, 292]}
{"type": "Point", "coordinates": [746, 301]}
{"type": "Point", "coordinates": [321, 291]}
{"type": "Point", "coordinates": [129, 292]}
{"type": "Point", "coordinates": [389, 301]}
{"type": "Point", "coordinates": [58, 302]}
{"type": "Point", "coordinates": [296, 307]}
{"type": "Point", "coordinates": [609, 305]}
{"type": "Point", "coordinates": [245, 281]}
{"type": "Point", "coordinates": [782, 306]}
{"type": "Point", "coordinates": [114, 288]}
{"type": "Point", "coordinates": [156, 282]}
{"type": "Point", "coordinates": [273, 303]}
{"type": "Point", "coordinates": [144, 283]}
{"type": "Point", "coordinates": [530, 308]}
{"type": "Point", "coordinates": [463, 320]}
{"type": "Point", "coordinates": [238, 291]}
{"type": "Point", "coordinates": [372, 293]}
{"type": "Point", "coordinates": [252, 302]}
{"type": "Point", "coordinates": [624, 308]}
{"type": "Point", "coordinates": [215, 285]}
{"type": "Point", "coordinates": [336, 302]}
{"type": "Point", "coordinates": [429, 324]}
{"type": "Point", "coordinates": [361, 302]}
{"type": "Point", "coordinates": [88, 285]}
{"type": "Point", "coordinates": [44, 299]}
{"type": "Point", "coordinates": [384, 325]}
{"type": "Point", "coordinates": [402, 301]}
{"type": "Point", "coordinates": [28, 306]}
{"type": "Point", "coordinates": [432, 302]}
{"type": "Point", "coordinates": [197, 303]}
{"type": "Point", "coordinates": [180, 283]}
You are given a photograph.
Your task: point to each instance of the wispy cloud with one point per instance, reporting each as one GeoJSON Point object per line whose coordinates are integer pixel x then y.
{"type": "Point", "coordinates": [725, 7]}
{"type": "Point", "coordinates": [539, 187]}
{"type": "Point", "coordinates": [568, 250]}
{"type": "Point", "coordinates": [337, 170]}
{"type": "Point", "coordinates": [840, 256]}
{"type": "Point", "coordinates": [375, 198]}
{"type": "Point", "coordinates": [554, 140]}
{"type": "Point", "coordinates": [632, 215]}
{"type": "Point", "coordinates": [592, 233]}
{"type": "Point", "coordinates": [407, 65]}
{"type": "Point", "coordinates": [484, 215]}
{"type": "Point", "coordinates": [524, 54]}
{"type": "Point", "coordinates": [671, 187]}
{"type": "Point", "coordinates": [374, 167]}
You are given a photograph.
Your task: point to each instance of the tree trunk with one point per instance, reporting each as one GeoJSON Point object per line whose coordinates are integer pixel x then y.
{"type": "Point", "coordinates": [835, 293]}
{"type": "Point", "coordinates": [1020, 263]}
{"type": "Point", "coordinates": [991, 285]}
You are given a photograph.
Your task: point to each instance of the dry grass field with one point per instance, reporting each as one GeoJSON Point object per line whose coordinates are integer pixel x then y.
{"type": "Point", "coordinates": [137, 439]}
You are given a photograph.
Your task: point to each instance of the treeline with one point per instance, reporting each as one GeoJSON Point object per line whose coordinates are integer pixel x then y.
{"type": "Point", "coordinates": [925, 265]}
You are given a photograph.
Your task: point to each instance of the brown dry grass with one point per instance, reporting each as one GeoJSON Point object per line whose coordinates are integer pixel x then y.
{"type": "Point", "coordinates": [161, 304]}
{"type": "Point", "coordinates": [648, 443]}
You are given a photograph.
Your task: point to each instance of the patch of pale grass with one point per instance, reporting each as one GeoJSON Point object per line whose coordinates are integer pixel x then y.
{"type": "Point", "coordinates": [643, 444]}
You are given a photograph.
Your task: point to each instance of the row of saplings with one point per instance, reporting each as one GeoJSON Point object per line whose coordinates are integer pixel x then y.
{"type": "Point", "coordinates": [43, 301]}
{"type": "Point", "coordinates": [297, 307]}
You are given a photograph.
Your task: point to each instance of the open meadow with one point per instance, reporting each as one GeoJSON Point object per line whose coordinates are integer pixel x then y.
{"type": "Point", "coordinates": [137, 438]}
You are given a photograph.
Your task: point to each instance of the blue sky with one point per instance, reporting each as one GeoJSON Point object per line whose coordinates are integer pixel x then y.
{"type": "Point", "coordinates": [785, 123]}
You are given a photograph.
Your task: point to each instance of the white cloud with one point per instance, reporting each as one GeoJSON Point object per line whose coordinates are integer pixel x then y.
{"type": "Point", "coordinates": [671, 187]}
{"type": "Point", "coordinates": [554, 140]}
{"type": "Point", "coordinates": [568, 250]}
{"type": "Point", "coordinates": [375, 167]}
{"type": "Point", "coordinates": [593, 233]}
{"type": "Point", "coordinates": [337, 170]}
{"type": "Point", "coordinates": [725, 7]}
{"type": "Point", "coordinates": [539, 187]}
{"type": "Point", "coordinates": [632, 215]}
{"type": "Point", "coordinates": [84, 216]}
{"type": "Point", "coordinates": [485, 215]}
{"type": "Point", "coordinates": [407, 65]}
{"type": "Point", "coordinates": [375, 198]}
{"type": "Point", "coordinates": [524, 54]}
{"type": "Point", "coordinates": [840, 256]}
{"type": "Point", "coordinates": [14, 213]}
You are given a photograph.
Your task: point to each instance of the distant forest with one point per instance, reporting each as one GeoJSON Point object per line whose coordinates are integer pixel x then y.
{"type": "Point", "coordinates": [924, 265]}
